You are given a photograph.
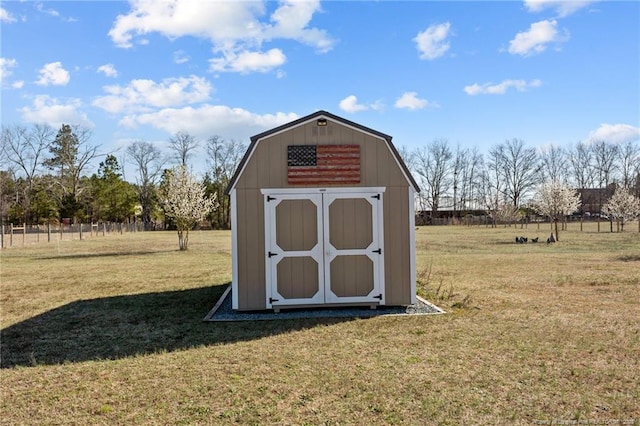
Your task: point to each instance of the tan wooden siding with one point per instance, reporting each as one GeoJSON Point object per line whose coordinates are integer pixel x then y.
{"type": "Point", "coordinates": [251, 255]}
{"type": "Point", "coordinates": [296, 225]}
{"type": "Point", "coordinates": [397, 260]}
{"type": "Point", "coordinates": [298, 277]}
{"type": "Point", "coordinates": [353, 228]}
{"type": "Point", "coordinates": [351, 276]}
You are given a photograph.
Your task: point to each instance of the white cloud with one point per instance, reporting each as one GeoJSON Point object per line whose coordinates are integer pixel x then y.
{"type": "Point", "coordinates": [207, 120]}
{"type": "Point", "coordinates": [350, 104]}
{"type": "Point", "coordinates": [109, 70]}
{"type": "Point", "coordinates": [180, 57]}
{"type": "Point", "coordinates": [615, 133]}
{"type": "Point", "coordinates": [535, 39]}
{"type": "Point", "coordinates": [6, 17]}
{"type": "Point", "coordinates": [410, 100]}
{"type": "Point", "coordinates": [290, 21]}
{"type": "Point", "coordinates": [52, 12]}
{"type": "Point", "coordinates": [18, 84]}
{"type": "Point", "coordinates": [40, 7]}
{"type": "Point", "coordinates": [245, 62]}
{"type": "Point", "coordinates": [140, 95]}
{"type": "Point", "coordinates": [562, 7]}
{"type": "Point", "coordinates": [53, 73]}
{"type": "Point", "coordinates": [52, 111]}
{"type": "Point", "coordinates": [432, 42]}
{"type": "Point", "coordinates": [5, 68]}
{"type": "Point", "coordinates": [236, 30]}
{"type": "Point", "coordinates": [501, 88]}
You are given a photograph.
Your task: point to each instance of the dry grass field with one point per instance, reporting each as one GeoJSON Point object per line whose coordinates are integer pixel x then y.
{"type": "Point", "coordinates": [108, 331]}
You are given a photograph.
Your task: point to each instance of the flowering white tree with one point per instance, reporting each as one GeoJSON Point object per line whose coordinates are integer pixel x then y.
{"type": "Point", "coordinates": [622, 206]}
{"type": "Point", "coordinates": [555, 200]}
{"type": "Point", "coordinates": [184, 200]}
{"type": "Point", "coordinates": [506, 213]}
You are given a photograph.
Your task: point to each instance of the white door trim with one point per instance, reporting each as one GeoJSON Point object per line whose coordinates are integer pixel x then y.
{"type": "Point", "coordinates": [350, 190]}
{"type": "Point", "coordinates": [320, 196]}
{"type": "Point", "coordinates": [376, 244]}
{"type": "Point", "coordinates": [275, 254]}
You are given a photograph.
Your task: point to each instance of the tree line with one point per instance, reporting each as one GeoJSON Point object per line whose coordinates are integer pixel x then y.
{"type": "Point", "coordinates": [508, 181]}
{"type": "Point", "coordinates": [43, 176]}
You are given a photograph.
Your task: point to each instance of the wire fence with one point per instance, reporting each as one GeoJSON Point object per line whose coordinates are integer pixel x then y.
{"type": "Point", "coordinates": [12, 235]}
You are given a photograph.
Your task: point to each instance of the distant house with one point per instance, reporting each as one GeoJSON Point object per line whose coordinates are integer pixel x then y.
{"type": "Point", "coordinates": [594, 198]}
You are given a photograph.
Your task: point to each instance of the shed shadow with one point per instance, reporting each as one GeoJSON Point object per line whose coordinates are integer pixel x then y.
{"type": "Point", "coordinates": [123, 326]}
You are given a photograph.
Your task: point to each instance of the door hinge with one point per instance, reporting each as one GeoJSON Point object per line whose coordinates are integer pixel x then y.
{"type": "Point", "coordinates": [379, 251]}
{"type": "Point", "coordinates": [271, 300]}
{"type": "Point", "coordinates": [377, 196]}
{"type": "Point", "coordinates": [271, 254]}
{"type": "Point", "coordinates": [269, 198]}
{"type": "Point", "coordinates": [378, 297]}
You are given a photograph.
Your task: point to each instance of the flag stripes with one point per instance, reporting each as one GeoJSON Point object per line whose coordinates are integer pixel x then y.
{"type": "Point", "coordinates": [331, 164]}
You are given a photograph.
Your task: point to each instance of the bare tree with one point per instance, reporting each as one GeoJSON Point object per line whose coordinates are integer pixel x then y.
{"type": "Point", "coordinates": [149, 162]}
{"type": "Point", "coordinates": [25, 148]}
{"type": "Point", "coordinates": [433, 166]}
{"type": "Point", "coordinates": [605, 155]}
{"type": "Point", "coordinates": [554, 164]}
{"type": "Point", "coordinates": [408, 156]}
{"type": "Point", "coordinates": [222, 159]}
{"type": "Point", "coordinates": [491, 189]}
{"type": "Point", "coordinates": [520, 168]}
{"type": "Point", "coordinates": [183, 146]}
{"type": "Point", "coordinates": [629, 164]}
{"type": "Point", "coordinates": [466, 173]}
{"type": "Point", "coordinates": [581, 159]}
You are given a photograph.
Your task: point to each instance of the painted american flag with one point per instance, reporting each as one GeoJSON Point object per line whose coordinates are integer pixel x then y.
{"type": "Point", "coordinates": [323, 164]}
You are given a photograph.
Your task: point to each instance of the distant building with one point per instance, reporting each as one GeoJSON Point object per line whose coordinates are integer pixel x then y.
{"type": "Point", "coordinates": [593, 199]}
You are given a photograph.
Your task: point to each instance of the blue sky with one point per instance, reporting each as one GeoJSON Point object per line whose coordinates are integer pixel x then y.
{"type": "Point", "coordinates": [475, 73]}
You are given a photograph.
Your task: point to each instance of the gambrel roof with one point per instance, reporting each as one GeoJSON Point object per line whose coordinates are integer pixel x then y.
{"type": "Point", "coordinates": [317, 115]}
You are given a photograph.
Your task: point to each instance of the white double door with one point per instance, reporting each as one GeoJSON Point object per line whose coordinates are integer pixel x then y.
{"type": "Point", "coordinates": [324, 247]}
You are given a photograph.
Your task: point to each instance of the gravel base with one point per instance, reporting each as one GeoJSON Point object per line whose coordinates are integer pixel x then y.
{"type": "Point", "coordinates": [222, 311]}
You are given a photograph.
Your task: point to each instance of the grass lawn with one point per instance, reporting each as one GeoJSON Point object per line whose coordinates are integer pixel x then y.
{"type": "Point", "coordinates": [108, 330]}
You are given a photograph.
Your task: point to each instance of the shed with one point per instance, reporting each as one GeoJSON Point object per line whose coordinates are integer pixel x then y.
{"type": "Point", "coordinates": [322, 213]}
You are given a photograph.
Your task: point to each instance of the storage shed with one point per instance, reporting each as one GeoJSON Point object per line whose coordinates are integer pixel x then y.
{"type": "Point", "coordinates": [322, 213]}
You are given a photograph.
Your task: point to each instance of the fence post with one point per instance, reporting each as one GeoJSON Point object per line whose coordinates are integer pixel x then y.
{"type": "Point", "coordinates": [11, 235]}
{"type": "Point", "coordinates": [2, 237]}
{"type": "Point", "coordinates": [24, 233]}
{"type": "Point", "coordinates": [104, 228]}
{"type": "Point", "coordinates": [80, 231]}
{"type": "Point", "coordinates": [48, 232]}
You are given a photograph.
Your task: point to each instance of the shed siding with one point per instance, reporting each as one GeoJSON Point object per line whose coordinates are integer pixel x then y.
{"type": "Point", "coordinates": [251, 266]}
{"type": "Point", "coordinates": [396, 241]}
{"type": "Point", "coordinates": [267, 168]}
